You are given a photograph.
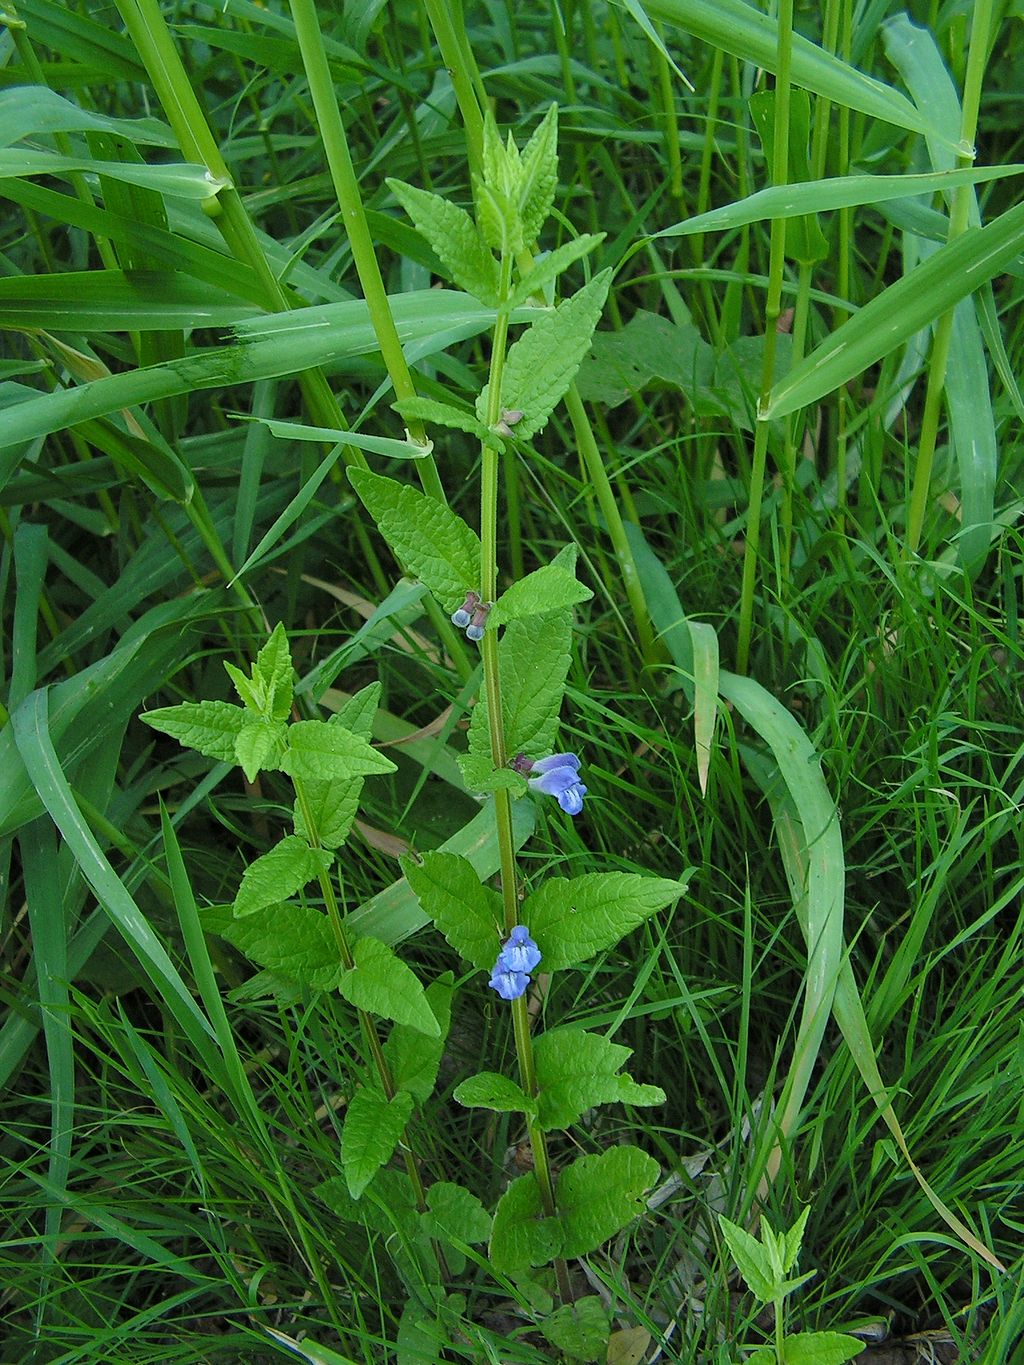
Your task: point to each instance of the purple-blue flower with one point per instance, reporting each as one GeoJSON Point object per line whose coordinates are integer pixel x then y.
{"type": "Point", "coordinates": [520, 953]}
{"type": "Point", "coordinates": [518, 957]}
{"type": "Point", "coordinates": [509, 985]}
{"type": "Point", "coordinates": [560, 778]}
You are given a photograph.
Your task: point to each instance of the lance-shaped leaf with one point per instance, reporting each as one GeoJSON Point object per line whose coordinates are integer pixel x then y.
{"type": "Point", "coordinates": [542, 364]}
{"type": "Point", "coordinates": [455, 239]}
{"type": "Point", "coordinates": [332, 806]}
{"type": "Point", "coordinates": [572, 919]}
{"type": "Point", "coordinates": [427, 537]}
{"type": "Point", "coordinates": [370, 1133]}
{"type": "Point", "coordinates": [551, 588]}
{"type": "Point", "coordinates": [538, 176]}
{"type": "Point", "coordinates": [533, 663]}
{"type": "Point", "coordinates": [323, 752]}
{"type": "Point", "coordinates": [549, 266]}
{"type": "Point", "coordinates": [279, 874]}
{"type": "Point", "coordinates": [577, 1070]}
{"type": "Point", "coordinates": [260, 744]}
{"type": "Point", "coordinates": [420, 409]}
{"type": "Point", "coordinates": [383, 985]}
{"type": "Point", "coordinates": [210, 727]}
{"type": "Point", "coordinates": [467, 913]}
{"type": "Point", "coordinates": [598, 1195]}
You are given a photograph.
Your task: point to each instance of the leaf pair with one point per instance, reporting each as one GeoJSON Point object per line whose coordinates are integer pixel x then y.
{"type": "Point", "coordinates": [570, 919]}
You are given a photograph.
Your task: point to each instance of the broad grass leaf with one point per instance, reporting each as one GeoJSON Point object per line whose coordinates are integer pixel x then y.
{"type": "Point", "coordinates": [91, 301]}
{"type": "Point", "coordinates": [177, 181]}
{"type": "Point", "coordinates": [751, 35]}
{"type": "Point", "coordinates": [428, 538]}
{"type": "Point", "coordinates": [455, 238]}
{"type": "Point", "coordinates": [577, 1071]}
{"type": "Point", "coordinates": [550, 588]}
{"type": "Point", "coordinates": [370, 1133]}
{"type": "Point", "coordinates": [28, 110]}
{"type": "Point", "coordinates": [822, 196]}
{"type": "Point", "coordinates": [492, 1090]}
{"type": "Point", "coordinates": [521, 1235]}
{"type": "Point", "coordinates": [277, 875]}
{"type": "Point", "coordinates": [209, 727]}
{"type": "Point", "coordinates": [326, 752]}
{"type": "Point", "coordinates": [897, 313]}
{"type": "Point", "coordinates": [294, 940]}
{"type": "Point", "coordinates": [599, 1195]}
{"type": "Point", "coordinates": [542, 364]}
{"type": "Point", "coordinates": [383, 985]}
{"type": "Point", "coordinates": [467, 913]}
{"type": "Point", "coordinates": [572, 919]}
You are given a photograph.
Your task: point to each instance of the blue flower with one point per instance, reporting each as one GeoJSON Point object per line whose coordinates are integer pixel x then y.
{"type": "Point", "coordinates": [509, 985]}
{"type": "Point", "coordinates": [560, 778]}
{"type": "Point", "coordinates": [520, 953]}
{"type": "Point", "coordinates": [518, 957]}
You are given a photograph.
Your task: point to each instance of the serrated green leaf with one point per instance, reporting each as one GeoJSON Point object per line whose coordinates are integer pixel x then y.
{"type": "Point", "coordinates": [792, 1241]}
{"type": "Point", "coordinates": [521, 1234]}
{"type": "Point", "coordinates": [492, 1090]}
{"type": "Point", "coordinates": [538, 176]}
{"type": "Point", "coordinates": [541, 365]}
{"type": "Point", "coordinates": [549, 266]}
{"type": "Point", "coordinates": [413, 1058]}
{"type": "Point", "coordinates": [751, 1259]}
{"type": "Point", "coordinates": [572, 919]}
{"type": "Point", "coordinates": [272, 674]}
{"type": "Point", "coordinates": [441, 414]}
{"type": "Point", "coordinates": [210, 727]}
{"type": "Point", "coordinates": [821, 1348]}
{"type": "Point", "coordinates": [370, 1133]}
{"type": "Point", "coordinates": [278, 874]}
{"type": "Point", "coordinates": [456, 1215]}
{"type": "Point", "coordinates": [577, 1070]}
{"type": "Point", "coordinates": [427, 537]}
{"type": "Point", "coordinates": [548, 589]}
{"type": "Point", "coordinates": [332, 808]}
{"type": "Point", "coordinates": [357, 712]}
{"type": "Point", "coordinates": [455, 239]}
{"type": "Point", "coordinates": [243, 686]}
{"type": "Point", "coordinates": [323, 752]}
{"type": "Point", "coordinates": [390, 1203]}
{"type": "Point", "coordinates": [294, 940]}
{"type": "Point", "coordinates": [260, 744]}
{"type": "Point", "coordinates": [383, 985]}
{"type": "Point", "coordinates": [580, 1329]}
{"type": "Point", "coordinates": [467, 913]}
{"type": "Point", "coordinates": [533, 663]}
{"type": "Point", "coordinates": [598, 1195]}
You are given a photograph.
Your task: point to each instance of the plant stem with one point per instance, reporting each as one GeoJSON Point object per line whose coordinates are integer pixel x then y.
{"type": "Point", "coordinates": [773, 308]}
{"type": "Point", "coordinates": [499, 754]}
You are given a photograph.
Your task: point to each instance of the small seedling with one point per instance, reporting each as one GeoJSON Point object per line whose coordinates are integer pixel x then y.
{"type": "Point", "coordinates": [765, 1266]}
